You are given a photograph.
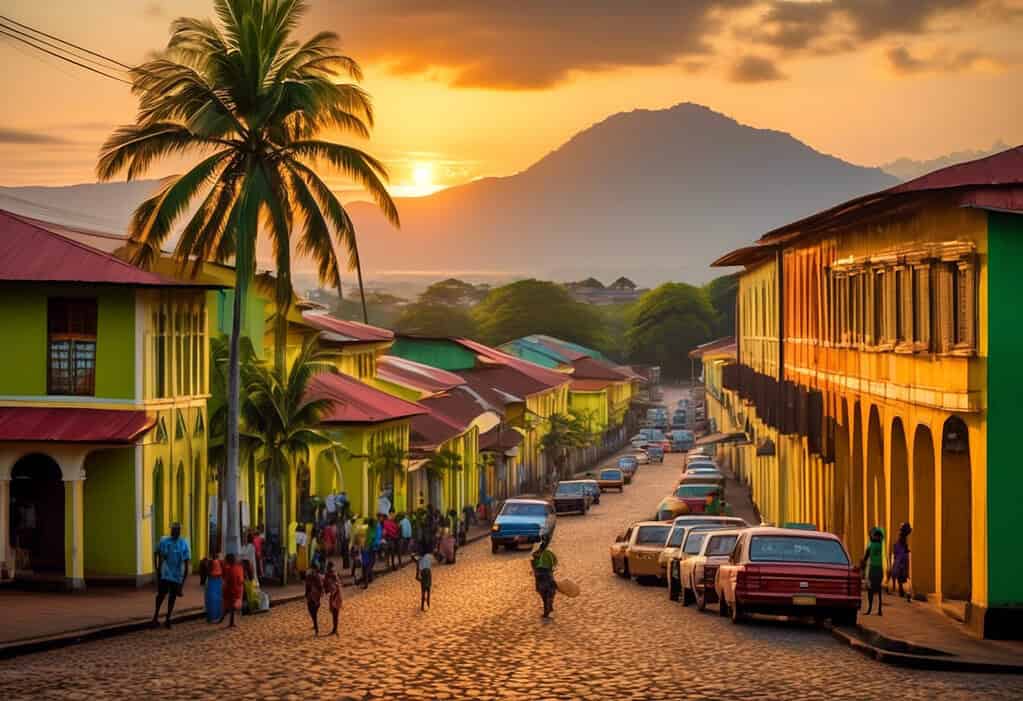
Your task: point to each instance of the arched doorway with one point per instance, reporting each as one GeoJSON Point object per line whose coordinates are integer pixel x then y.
{"type": "Point", "coordinates": [857, 522]}
{"type": "Point", "coordinates": [37, 513]}
{"type": "Point", "coordinates": [956, 511]}
{"type": "Point", "coordinates": [921, 563]}
{"type": "Point", "coordinates": [899, 478]}
{"type": "Point", "coordinates": [876, 492]}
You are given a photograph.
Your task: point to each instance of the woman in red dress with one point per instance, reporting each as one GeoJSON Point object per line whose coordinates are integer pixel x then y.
{"type": "Point", "coordinates": [234, 587]}
{"type": "Point", "coordinates": [313, 596]}
{"type": "Point", "coordinates": [332, 589]}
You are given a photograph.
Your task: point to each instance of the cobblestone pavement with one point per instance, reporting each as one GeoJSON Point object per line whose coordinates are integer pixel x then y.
{"type": "Point", "coordinates": [484, 638]}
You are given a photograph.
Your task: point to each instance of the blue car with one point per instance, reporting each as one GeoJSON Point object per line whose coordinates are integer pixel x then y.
{"type": "Point", "coordinates": [522, 521]}
{"type": "Point", "coordinates": [628, 465]}
{"type": "Point", "coordinates": [655, 452]}
{"type": "Point", "coordinates": [681, 441]}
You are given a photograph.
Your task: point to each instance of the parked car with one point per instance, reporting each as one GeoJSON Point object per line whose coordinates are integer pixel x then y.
{"type": "Point", "coordinates": [681, 440]}
{"type": "Point", "coordinates": [670, 508]}
{"type": "Point", "coordinates": [679, 419]}
{"type": "Point", "coordinates": [611, 478]}
{"type": "Point", "coordinates": [690, 546]}
{"type": "Point", "coordinates": [789, 572]}
{"type": "Point", "coordinates": [701, 470]}
{"type": "Point", "coordinates": [634, 553]}
{"type": "Point", "coordinates": [695, 495]}
{"type": "Point", "coordinates": [680, 527]}
{"type": "Point", "coordinates": [628, 464]}
{"type": "Point", "coordinates": [522, 521]}
{"type": "Point", "coordinates": [715, 478]}
{"type": "Point", "coordinates": [655, 453]}
{"type": "Point", "coordinates": [592, 488]}
{"type": "Point", "coordinates": [639, 443]}
{"type": "Point", "coordinates": [641, 457]}
{"type": "Point", "coordinates": [697, 573]}
{"type": "Point", "coordinates": [652, 435]}
{"type": "Point", "coordinates": [571, 497]}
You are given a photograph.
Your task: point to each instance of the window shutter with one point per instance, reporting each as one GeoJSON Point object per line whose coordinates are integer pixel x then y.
{"type": "Point", "coordinates": [966, 305]}
{"type": "Point", "coordinates": [944, 309]}
{"type": "Point", "coordinates": [891, 301]}
{"type": "Point", "coordinates": [923, 308]}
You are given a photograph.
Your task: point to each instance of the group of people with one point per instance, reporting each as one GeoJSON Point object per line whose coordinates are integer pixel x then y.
{"type": "Point", "coordinates": [872, 566]}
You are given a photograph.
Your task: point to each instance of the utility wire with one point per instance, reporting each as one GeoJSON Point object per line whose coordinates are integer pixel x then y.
{"type": "Point", "coordinates": [68, 43]}
{"type": "Point", "coordinates": [58, 47]}
{"type": "Point", "coordinates": [64, 58]}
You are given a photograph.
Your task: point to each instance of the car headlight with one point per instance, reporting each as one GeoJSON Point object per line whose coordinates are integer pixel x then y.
{"type": "Point", "coordinates": [495, 528]}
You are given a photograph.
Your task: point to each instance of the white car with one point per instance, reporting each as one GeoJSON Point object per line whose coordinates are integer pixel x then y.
{"type": "Point", "coordinates": [641, 457]}
{"type": "Point", "coordinates": [700, 569]}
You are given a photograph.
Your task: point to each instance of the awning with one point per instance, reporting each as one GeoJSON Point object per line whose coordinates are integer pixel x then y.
{"type": "Point", "coordinates": [714, 438]}
{"type": "Point", "coordinates": [72, 425]}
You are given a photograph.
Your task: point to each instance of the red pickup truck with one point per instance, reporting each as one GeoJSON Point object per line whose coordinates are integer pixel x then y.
{"type": "Point", "coordinates": [782, 571]}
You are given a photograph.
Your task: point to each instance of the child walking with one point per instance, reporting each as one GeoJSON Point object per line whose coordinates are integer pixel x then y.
{"type": "Point", "coordinates": [332, 589]}
{"type": "Point", "coordinates": [234, 587]}
{"type": "Point", "coordinates": [424, 573]}
{"type": "Point", "coordinates": [313, 595]}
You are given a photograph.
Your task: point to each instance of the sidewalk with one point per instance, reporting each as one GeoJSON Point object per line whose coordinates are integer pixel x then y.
{"type": "Point", "coordinates": [34, 621]}
{"type": "Point", "coordinates": [908, 634]}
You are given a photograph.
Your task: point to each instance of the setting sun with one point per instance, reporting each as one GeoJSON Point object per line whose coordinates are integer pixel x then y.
{"type": "Point", "coordinates": [422, 176]}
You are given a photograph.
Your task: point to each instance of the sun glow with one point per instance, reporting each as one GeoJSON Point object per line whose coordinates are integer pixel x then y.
{"type": "Point", "coordinates": [422, 182]}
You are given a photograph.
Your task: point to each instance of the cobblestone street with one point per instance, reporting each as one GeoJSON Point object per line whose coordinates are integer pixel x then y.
{"type": "Point", "coordinates": [484, 638]}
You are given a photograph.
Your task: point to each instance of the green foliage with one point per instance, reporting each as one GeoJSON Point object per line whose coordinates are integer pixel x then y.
{"type": "Point", "coordinates": [537, 307]}
{"type": "Point", "coordinates": [387, 464]}
{"type": "Point", "coordinates": [442, 462]}
{"type": "Point", "coordinates": [454, 293]}
{"type": "Point", "coordinates": [722, 292]}
{"type": "Point", "coordinates": [615, 320]}
{"type": "Point", "coordinates": [382, 309]}
{"type": "Point", "coordinates": [436, 319]}
{"type": "Point", "coordinates": [565, 432]}
{"type": "Point", "coordinates": [667, 323]}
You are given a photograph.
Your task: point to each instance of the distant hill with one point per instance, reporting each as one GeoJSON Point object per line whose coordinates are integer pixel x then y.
{"type": "Point", "coordinates": [651, 194]}
{"type": "Point", "coordinates": [907, 168]}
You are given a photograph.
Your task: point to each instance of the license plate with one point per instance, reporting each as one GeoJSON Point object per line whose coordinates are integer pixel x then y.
{"type": "Point", "coordinates": [520, 539]}
{"type": "Point", "coordinates": [804, 600]}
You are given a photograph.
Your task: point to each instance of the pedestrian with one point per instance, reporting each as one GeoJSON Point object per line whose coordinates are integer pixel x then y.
{"type": "Point", "coordinates": [873, 565]}
{"type": "Point", "coordinates": [257, 542]}
{"type": "Point", "coordinates": [313, 595]}
{"type": "Point", "coordinates": [248, 554]}
{"type": "Point", "coordinates": [345, 537]}
{"type": "Point", "coordinates": [329, 538]}
{"type": "Point", "coordinates": [392, 534]}
{"type": "Point", "coordinates": [332, 589]}
{"type": "Point", "coordinates": [405, 535]}
{"type": "Point", "coordinates": [543, 562]}
{"type": "Point", "coordinates": [369, 552]}
{"type": "Point", "coordinates": [170, 563]}
{"type": "Point", "coordinates": [234, 588]}
{"type": "Point", "coordinates": [211, 574]}
{"type": "Point", "coordinates": [899, 571]}
{"type": "Point", "coordinates": [424, 574]}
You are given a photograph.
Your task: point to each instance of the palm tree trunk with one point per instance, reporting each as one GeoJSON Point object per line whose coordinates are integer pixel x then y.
{"type": "Point", "coordinates": [362, 290]}
{"type": "Point", "coordinates": [232, 530]}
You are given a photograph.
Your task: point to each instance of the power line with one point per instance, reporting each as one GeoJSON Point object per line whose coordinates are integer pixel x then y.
{"type": "Point", "coordinates": [68, 43]}
{"type": "Point", "coordinates": [58, 47]}
{"type": "Point", "coordinates": [63, 58]}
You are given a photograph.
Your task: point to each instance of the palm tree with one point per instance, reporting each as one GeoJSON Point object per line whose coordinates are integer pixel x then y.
{"type": "Point", "coordinates": [442, 462]}
{"type": "Point", "coordinates": [564, 432]}
{"type": "Point", "coordinates": [280, 421]}
{"type": "Point", "coordinates": [387, 464]}
{"type": "Point", "coordinates": [251, 100]}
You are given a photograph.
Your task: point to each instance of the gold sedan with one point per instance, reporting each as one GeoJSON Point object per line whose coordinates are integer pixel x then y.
{"type": "Point", "coordinates": [635, 552]}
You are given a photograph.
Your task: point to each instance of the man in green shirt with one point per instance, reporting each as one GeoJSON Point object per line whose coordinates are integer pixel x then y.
{"type": "Point", "coordinates": [873, 565]}
{"type": "Point", "coordinates": [544, 561]}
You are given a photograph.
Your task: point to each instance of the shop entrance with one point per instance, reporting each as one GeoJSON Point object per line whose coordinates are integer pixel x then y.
{"type": "Point", "coordinates": [37, 514]}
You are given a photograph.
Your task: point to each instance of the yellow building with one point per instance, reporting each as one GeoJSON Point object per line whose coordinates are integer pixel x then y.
{"type": "Point", "coordinates": [876, 375]}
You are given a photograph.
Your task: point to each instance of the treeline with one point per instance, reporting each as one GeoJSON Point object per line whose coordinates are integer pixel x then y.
{"type": "Point", "coordinates": [660, 328]}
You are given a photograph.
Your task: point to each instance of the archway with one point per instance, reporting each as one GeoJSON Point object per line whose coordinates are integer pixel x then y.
{"type": "Point", "coordinates": [37, 513]}
{"type": "Point", "coordinates": [876, 492]}
{"type": "Point", "coordinates": [841, 485]}
{"type": "Point", "coordinates": [921, 563]}
{"type": "Point", "coordinates": [857, 522]}
{"type": "Point", "coordinates": [956, 511]}
{"type": "Point", "coordinates": [899, 478]}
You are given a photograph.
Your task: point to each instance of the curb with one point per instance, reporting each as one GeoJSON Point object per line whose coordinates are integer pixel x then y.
{"type": "Point", "coordinates": [54, 642]}
{"type": "Point", "coordinates": [945, 662]}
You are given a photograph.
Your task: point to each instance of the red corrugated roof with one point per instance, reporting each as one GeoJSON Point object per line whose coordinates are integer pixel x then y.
{"type": "Point", "coordinates": [589, 385]}
{"type": "Point", "coordinates": [500, 438]}
{"type": "Point", "coordinates": [593, 369]}
{"type": "Point", "coordinates": [351, 331]}
{"type": "Point", "coordinates": [416, 375]}
{"type": "Point", "coordinates": [35, 251]}
{"type": "Point", "coordinates": [1002, 168]}
{"type": "Point", "coordinates": [500, 385]}
{"type": "Point", "coordinates": [431, 429]}
{"type": "Point", "coordinates": [72, 425]}
{"type": "Point", "coordinates": [355, 402]}
{"type": "Point", "coordinates": [541, 375]}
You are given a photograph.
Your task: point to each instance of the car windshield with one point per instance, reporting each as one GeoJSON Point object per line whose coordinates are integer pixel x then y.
{"type": "Point", "coordinates": [610, 474]}
{"type": "Point", "coordinates": [695, 491]}
{"type": "Point", "coordinates": [570, 488]}
{"type": "Point", "coordinates": [512, 508]}
{"type": "Point", "coordinates": [694, 542]}
{"type": "Point", "coordinates": [721, 544]}
{"type": "Point", "coordinates": [652, 535]}
{"type": "Point", "coordinates": [677, 534]}
{"type": "Point", "coordinates": [763, 548]}
{"type": "Point", "coordinates": [626, 461]}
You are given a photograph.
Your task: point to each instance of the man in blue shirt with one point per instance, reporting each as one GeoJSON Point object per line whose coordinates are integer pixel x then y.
{"type": "Point", "coordinates": [170, 562]}
{"type": "Point", "coordinates": [406, 536]}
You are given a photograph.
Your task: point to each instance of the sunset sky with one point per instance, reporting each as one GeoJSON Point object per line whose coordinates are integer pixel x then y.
{"type": "Point", "coordinates": [465, 89]}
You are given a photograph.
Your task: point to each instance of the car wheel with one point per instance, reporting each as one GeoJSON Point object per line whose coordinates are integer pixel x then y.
{"type": "Point", "coordinates": [701, 598]}
{"type": "Point", "coordinates": [494, 546]}
{"type": "Point", "coordinates": [722, 606]}
{"type": "Point", "coordinates": [736, 613]}
{"type": "Point", "coordinates": [673, 588]}
{"type": "Point", "coordinates": [625, 569]}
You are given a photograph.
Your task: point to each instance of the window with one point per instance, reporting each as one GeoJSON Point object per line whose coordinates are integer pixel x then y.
{"type": "Point", "coordinates": [955, 307]}
{"type": "Point", "coordinates": [922, 307]}
{"type": "Point", "coordinates": [72, 346]}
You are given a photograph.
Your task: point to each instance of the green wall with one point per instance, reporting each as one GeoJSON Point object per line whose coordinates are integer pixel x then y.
{"type": "Point", "coordinates": [110, 513]}
{"type": "Point", "coordinates": [442, 354]}
{"type": "Point", "coordinates": [23, 355]}
{"type": "Point", "coordinates": [1005, 412]}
